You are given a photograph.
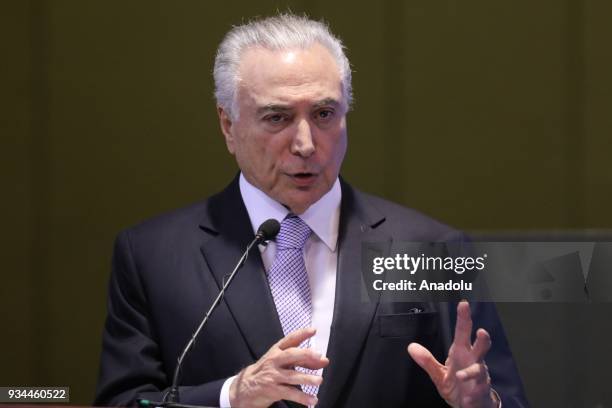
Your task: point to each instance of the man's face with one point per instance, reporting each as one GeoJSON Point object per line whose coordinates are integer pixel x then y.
{"type": "Point", "coordinates": [290, 136]}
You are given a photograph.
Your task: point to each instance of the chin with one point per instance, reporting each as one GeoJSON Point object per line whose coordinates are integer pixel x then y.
{"type": "Point", "coordinates": [303, 204]}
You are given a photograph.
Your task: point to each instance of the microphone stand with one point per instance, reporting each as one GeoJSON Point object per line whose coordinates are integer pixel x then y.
{"type": "Point", "coordinates": [171, 399]}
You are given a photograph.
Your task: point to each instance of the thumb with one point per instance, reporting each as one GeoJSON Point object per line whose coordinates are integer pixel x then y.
{"type": "Point", "coordinates": [427, 362]}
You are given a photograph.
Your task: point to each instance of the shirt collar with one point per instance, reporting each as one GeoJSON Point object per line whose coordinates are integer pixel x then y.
{"type": "Point", "coordinates": [322, 217]}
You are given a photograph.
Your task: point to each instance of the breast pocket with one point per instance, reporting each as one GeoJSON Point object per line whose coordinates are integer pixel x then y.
{"type": "Point", "coordinates": [413, 326]}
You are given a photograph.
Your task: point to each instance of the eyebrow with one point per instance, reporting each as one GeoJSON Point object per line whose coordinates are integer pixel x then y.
{"type": "Point", "coordinates": [271, 107]}
{"type": "Point", "coordinates": [274, 107]}
{"type": "Point", "coordinates": [326, 101]}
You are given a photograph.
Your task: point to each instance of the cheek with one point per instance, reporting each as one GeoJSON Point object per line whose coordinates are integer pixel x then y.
{"type": "Point", "coordinates": [336, 148]}
{"type": "Point", "coordinates": [261, 153]}
{"type": "Point", "coordinates": [248, 144]}
{"type": "Point", "coordinates": [275, 149]}
{"type": "Point", "coordinates": [341, 149]}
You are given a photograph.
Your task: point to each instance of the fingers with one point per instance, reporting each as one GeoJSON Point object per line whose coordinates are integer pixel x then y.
{"type": "Point", "coordinates": [296, 395]}
{"type": "Point", "coordinates": [293, 377]}
{"type": "Point", "coordinates": [273, 377]}
{"type": "Point", "coordinates": [427, 362]}
{"type": "Point", "coordinates": [301, 357]}
{"type": "Point", "coordinates": [294, 339]}
{"type": "Point", "coordinates": [475, 385]}
{"type": "Point", "coordinates": [482, 345]}
{"type": "Point", "coordinates": [463, 330]}
{"type": "Point", "coordinates": [463, 327]}
{"type": "Point", "coordinates": [477, 372]}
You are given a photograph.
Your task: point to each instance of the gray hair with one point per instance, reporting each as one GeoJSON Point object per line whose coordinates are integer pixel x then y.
{"type": "Point", "coordinates": [282, 32]}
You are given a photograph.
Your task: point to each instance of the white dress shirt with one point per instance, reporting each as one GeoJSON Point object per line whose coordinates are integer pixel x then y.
{"type": "Point", "coordinates": [320, 255]}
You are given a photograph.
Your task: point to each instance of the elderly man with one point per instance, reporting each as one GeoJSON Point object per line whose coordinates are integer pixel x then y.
{"type": "Point", "coordinates": [292, 328]}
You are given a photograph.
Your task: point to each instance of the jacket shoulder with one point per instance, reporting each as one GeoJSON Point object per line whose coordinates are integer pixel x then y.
{"type": "Point", "coordinates": [170, 226]}
{"type": "Point", "coordinates": [407, 223]}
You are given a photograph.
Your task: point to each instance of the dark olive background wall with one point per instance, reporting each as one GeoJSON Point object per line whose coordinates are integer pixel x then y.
{"type": "Point", "coordinates": [489, 115]}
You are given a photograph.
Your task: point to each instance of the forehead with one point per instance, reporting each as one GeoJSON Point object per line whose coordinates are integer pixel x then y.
{"type": "Point", "coordinates": [288, 76]}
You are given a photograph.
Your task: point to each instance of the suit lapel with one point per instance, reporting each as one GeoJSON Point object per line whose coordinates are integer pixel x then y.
{"type": "Point", "coordinates": [248, 298]}
{"type": "Point", "coordinates": [352, 315]}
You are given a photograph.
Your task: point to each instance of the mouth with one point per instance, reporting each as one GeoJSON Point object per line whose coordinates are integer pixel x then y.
{"type": "Point", "coordinates": [303, 179]}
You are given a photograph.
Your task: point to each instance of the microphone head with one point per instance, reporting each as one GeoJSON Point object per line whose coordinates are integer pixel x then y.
{"type": "Point", "coordinates": [268, 229]}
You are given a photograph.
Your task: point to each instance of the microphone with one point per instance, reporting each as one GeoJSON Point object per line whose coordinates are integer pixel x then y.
{"type": "Point", "coordinates": [266, 232]}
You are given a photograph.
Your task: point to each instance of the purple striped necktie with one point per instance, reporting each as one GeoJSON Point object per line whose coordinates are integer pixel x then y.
{"type": "Point", "coordinates": [289, 282]}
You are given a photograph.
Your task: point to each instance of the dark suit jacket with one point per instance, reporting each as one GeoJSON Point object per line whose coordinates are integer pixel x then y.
{"type": "Point", "coordinates": [167, 271]}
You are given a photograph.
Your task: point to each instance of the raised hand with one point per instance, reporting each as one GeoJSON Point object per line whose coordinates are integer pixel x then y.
{"type": "Point", "coordinates": [463, 381]}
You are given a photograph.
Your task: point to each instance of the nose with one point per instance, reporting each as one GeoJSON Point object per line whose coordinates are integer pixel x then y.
{"type": "Point", "coordinates": [302, 142]}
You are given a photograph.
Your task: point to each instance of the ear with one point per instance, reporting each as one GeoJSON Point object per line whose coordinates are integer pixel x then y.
{"type": "Point", "coordinates": [226, 123]}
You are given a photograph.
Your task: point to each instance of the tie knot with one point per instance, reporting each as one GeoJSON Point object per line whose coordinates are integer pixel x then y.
{"type": "Point", "coordinates": [293, 233]}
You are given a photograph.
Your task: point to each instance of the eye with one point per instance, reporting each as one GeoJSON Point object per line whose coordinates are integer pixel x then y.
{"type": "Point", "coordinates": [324, 114]}
{"type": "Point", "coordinates": [275, 118]}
